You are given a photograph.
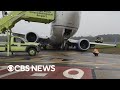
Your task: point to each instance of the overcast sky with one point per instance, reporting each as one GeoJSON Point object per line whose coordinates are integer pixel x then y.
{"type": "Point", "coordinates": [91, 23]}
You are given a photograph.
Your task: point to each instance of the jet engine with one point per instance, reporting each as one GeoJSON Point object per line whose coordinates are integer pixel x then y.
{"type": "Point", "coordinates": [31, 37]}
{"type": "Point", "coordinates": [83, 45]}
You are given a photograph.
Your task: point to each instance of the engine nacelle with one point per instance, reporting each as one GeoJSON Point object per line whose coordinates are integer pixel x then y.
{"type": "Point", "coordinates": [31, 37]}
{"type": "Point", "coordinates": [83, 45]}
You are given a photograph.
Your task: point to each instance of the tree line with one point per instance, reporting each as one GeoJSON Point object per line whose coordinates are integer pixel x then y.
{"type": "Point", "coordinates": [106, 37]}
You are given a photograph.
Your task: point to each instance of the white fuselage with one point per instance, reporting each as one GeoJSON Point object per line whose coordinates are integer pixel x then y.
{"type": "Point", "coordinates": [65, 26]}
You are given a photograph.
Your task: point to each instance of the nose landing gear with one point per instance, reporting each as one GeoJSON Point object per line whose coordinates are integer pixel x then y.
{"type": "Point", "coordinates": [65, 45]}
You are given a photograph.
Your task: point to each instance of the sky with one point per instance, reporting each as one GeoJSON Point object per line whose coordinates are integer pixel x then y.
{"type": "Point", "coordinates": [92, 23]}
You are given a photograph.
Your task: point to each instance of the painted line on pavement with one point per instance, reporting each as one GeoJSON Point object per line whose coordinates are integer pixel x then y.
{"type": "Point", "coordinates": [7, 74]}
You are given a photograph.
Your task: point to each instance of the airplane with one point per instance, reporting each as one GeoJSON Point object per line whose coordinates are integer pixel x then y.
{"type": "Point", "coordinates": [65, 25]}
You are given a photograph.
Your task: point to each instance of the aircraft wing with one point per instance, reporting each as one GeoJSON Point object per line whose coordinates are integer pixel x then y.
{"type": "Point", "coordinates": [94, 43]}
{"type": "Point", "coordinates": [18, 34]}
{"type": "Point", "coordinates": [72, 40]}
{"type": "Point", "coordinates": [104, 44]}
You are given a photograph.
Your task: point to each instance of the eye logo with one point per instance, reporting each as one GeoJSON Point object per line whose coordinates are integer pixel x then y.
{"type": "Point", "coordinates": [78, 75]}
{"type": "Point", "coordinates": [10, 68]}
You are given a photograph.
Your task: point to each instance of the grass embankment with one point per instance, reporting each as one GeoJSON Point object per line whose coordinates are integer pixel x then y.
{"type": "Point", "coordinates": [107, 49]}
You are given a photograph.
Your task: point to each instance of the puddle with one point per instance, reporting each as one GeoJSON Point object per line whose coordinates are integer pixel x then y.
{"type": "Point", "coordinates": [7, 63]}
{"type": "Point", "coordinates": [46, 59]}
{"type": "Point", "coordinates": [62, 59]}
{"type": "Point", "coordinates": [26, 58]}
{"type": "Point", "coordinates": [67, 59]}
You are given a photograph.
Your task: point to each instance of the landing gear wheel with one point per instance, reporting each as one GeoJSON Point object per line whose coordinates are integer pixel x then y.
{"type": "Point", "coordinates": [32, 51]}
{"type": "Point", "coordinates": [65, 46]}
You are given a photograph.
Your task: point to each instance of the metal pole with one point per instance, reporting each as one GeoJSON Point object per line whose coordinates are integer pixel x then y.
{"type": "Point", "coordinates": [8, 44]}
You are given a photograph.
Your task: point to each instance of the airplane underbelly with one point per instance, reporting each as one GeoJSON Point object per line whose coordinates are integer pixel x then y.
{"type": "Point", "coordinates": [61, 33]}
{"type": "Point", "coordinates": [56, 35]}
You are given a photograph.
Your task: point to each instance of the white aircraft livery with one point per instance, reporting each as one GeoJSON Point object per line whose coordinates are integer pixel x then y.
{"type": "Point", "coordinates": [65, 25]}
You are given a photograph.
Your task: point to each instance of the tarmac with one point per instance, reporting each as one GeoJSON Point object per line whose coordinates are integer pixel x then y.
{"type": "Point", "coordinates": [68, 65]}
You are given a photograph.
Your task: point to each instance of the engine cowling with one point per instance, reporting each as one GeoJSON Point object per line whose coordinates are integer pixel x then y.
{"type": "Point", "coordinates": [31, 37]}
{"type": "Point", "coordinates": [83, 45]}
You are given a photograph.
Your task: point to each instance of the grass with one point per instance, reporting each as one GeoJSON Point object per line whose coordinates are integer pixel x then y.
{"type": "Point", "coordinates": [107, 49]}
